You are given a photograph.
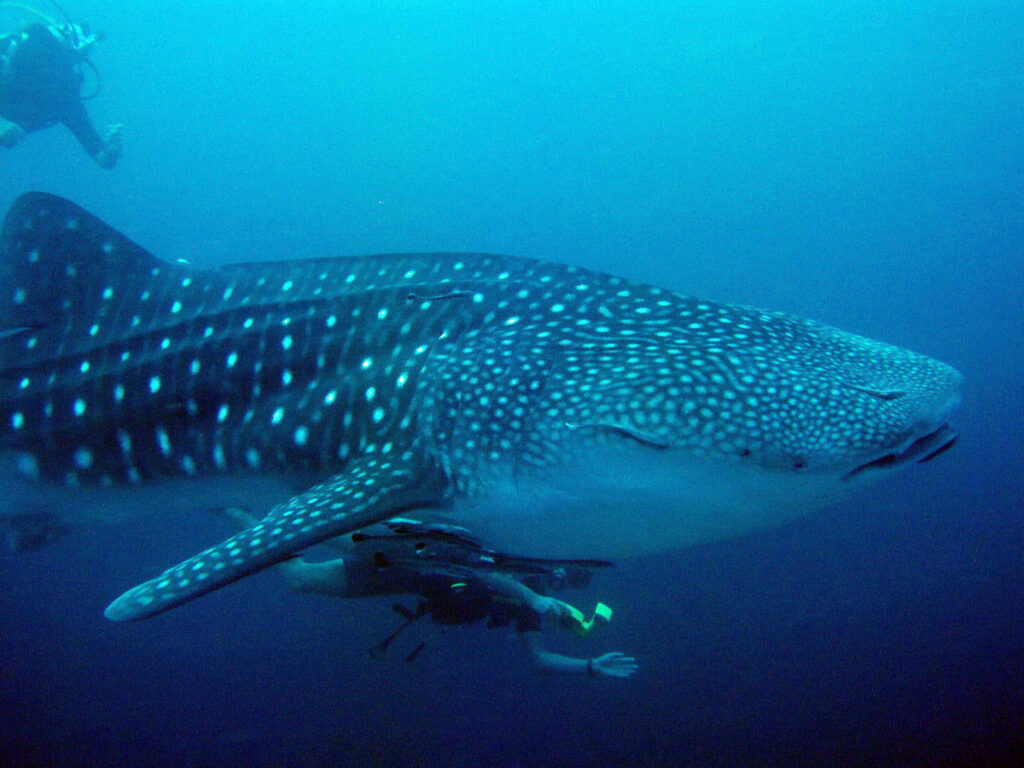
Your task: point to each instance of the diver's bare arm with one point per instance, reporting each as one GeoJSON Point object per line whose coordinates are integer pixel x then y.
{"type": "Point", "coordinates": [546, 661]}
{"type": "Point", "coordinates": [608, 665]}
{"type": "Point", "coordinates": [513, 589]}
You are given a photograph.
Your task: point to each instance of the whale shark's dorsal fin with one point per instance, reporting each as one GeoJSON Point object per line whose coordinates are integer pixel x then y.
{"type": "Point", "coordinates": [72, 282]}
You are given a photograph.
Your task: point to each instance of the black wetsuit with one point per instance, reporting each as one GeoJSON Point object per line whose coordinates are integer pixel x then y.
{"type": "Point", "coordinates": [448, 596]}
{"type": "Point", "coordinates": [40, 84]}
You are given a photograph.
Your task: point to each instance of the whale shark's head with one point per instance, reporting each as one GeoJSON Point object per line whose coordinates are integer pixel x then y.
{"type": "Point", "coordinates": [702, 421]}
{"type": "Point", "coordinates": [792, 395]}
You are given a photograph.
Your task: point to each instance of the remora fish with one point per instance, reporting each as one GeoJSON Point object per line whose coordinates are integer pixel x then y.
{"type": "Point", "coordinates": [553, 411]}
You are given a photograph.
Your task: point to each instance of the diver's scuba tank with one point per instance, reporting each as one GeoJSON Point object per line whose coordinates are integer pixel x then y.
{"type": "Point", "coordinates": [77, 37]}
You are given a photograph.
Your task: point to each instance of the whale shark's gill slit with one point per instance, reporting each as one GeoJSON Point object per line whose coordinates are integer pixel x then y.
{"type": "Point", "coordinates": [439, 296]}
{"type": "Point", "coordinates": [881, 394]}
{"type": "Point", "coordinates": [644, 438]}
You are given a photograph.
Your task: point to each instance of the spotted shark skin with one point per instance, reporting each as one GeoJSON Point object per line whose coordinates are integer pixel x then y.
{"type": "Point", "coordinates": [554, 411]}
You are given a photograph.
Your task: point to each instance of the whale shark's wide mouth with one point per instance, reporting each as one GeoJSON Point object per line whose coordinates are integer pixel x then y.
{"type": "Point", "coordinates": [922, 449]}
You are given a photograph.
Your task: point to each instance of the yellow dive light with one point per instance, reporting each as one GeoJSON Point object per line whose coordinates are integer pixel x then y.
{"type": "Point", "coordinates": [580, 625]}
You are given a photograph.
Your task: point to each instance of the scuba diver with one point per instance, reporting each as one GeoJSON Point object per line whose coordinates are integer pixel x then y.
{"type": "Point", "coordinates": [41, 77]}
{"type": "Point", "coordinates": [458, 582]}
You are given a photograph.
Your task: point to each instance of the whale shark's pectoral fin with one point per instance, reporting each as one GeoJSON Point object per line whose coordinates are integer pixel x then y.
{"type": "Point", "coordinates": [371, 489]}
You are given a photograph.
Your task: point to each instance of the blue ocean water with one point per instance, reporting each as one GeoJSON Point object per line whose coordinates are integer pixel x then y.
{"type": "Point", "coordinates": [858, 163]}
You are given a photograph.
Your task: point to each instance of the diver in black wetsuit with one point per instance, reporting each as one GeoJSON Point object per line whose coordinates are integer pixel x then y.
{"type": "Point", "coordinates": [40, 84]}
{"type": "Point", "coordinates": [457, 582]}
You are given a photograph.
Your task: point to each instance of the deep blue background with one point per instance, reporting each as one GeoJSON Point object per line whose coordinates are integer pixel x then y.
{"type": "Point", "coordinates": [861, 163]}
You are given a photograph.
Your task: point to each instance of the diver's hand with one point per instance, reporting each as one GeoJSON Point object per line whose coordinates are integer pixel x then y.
{"type": "Point", "coordinates": [10, 133]}
{"type": "Point", "coordinates": [550, 607]}
{"type": "Point", "coordinates": [614, 664]}
{"type": "Point", "coordinates": [113, 144]}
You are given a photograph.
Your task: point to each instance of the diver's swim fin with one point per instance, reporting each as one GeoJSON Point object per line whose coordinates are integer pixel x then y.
{"type": "Point", "coordinates": [31, 532]}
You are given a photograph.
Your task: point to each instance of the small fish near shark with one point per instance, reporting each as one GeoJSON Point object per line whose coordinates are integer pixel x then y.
{"type": "Point", "coordinates": [553, 411]}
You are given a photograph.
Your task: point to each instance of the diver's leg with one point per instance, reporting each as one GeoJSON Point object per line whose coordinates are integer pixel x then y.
{"type": "Point", "coordinates": [326, 578]}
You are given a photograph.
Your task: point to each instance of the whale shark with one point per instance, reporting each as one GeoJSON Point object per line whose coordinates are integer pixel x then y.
{"type": "Point", "coordinates": [554, 411]}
